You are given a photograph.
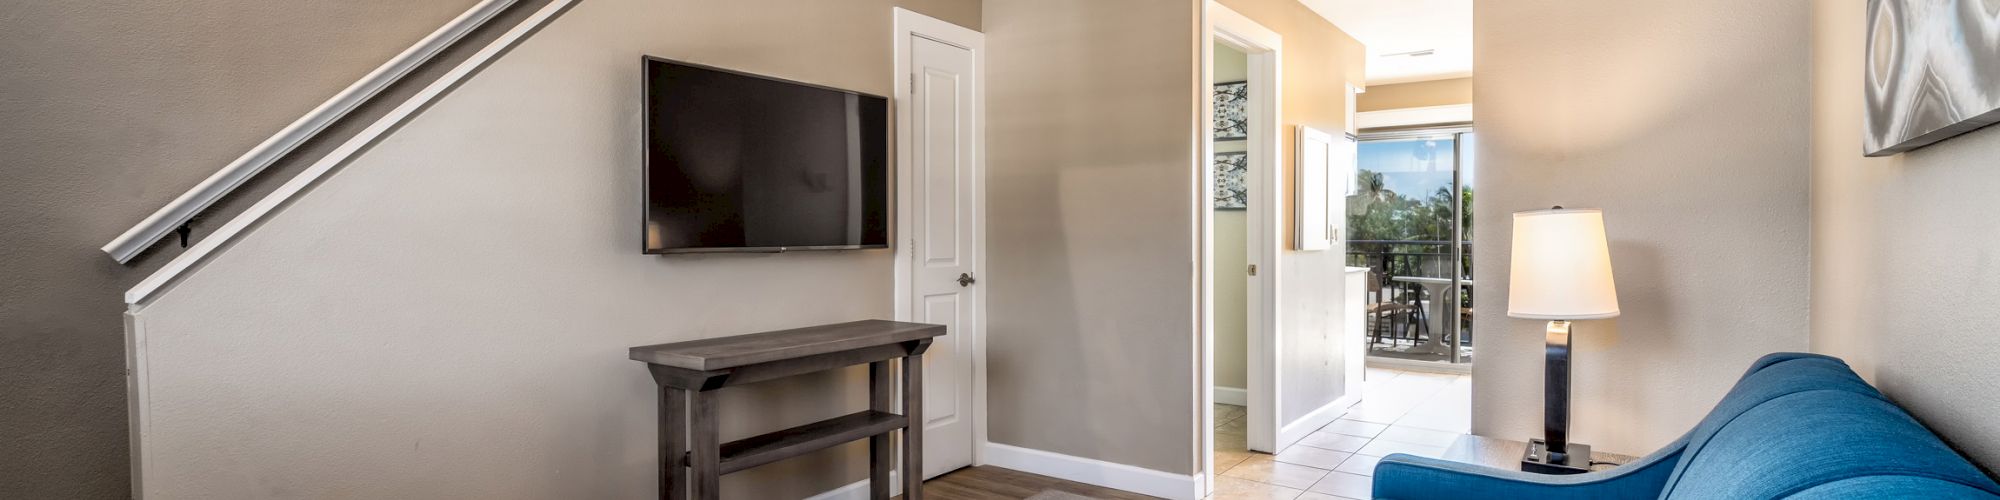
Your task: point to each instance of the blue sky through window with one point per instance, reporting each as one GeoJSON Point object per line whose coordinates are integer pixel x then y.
{"type": "Point", "coordinates": [1414, 168]}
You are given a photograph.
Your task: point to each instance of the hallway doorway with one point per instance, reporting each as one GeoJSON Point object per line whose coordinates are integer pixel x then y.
{"type": "Point", "coordinates": [1237, 214]}
{"type": "Point", "coordinates": [1410, 215]}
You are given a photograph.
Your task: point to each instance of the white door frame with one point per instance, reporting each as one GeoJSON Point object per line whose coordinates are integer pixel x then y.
{"type": "Point", "coordinates": [1264, 49]}
{"type": "Point", "coordinates": [907, 24]}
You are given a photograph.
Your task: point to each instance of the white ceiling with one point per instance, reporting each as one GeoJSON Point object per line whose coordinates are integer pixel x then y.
{"type": "Point", "coordinates": [1396, 26]}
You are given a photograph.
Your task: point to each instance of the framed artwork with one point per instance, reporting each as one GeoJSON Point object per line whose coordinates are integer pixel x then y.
{"type": "Point", "coordinates": [1231, 119]}
{"type": "Point", "coordinates": [1231, 189]}
{"type": "Point", "coordinates": [1931, 72]}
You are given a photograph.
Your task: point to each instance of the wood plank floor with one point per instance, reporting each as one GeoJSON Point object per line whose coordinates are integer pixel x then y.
{"type": "Point", "coordinates": [994, 483]}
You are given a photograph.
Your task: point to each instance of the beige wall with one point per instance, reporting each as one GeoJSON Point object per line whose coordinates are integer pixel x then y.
{"type": "Point", "coordinates": [1415, 95]}
{"type": "Point", "coordinates": [1903, 288]}
{"type": "Point", "coordinates": [1232, 339]}
{"type": "Point", "coordinates": [111, 109]}
{"type": "Point", "coordinates": [448, 315]}
{"type": "Point", "coordinates": [1091, 228]}
{"type": "Point", "coordinates": [1230, 295]}
{"type": "Point", "coordinates": [1229, 64]}
{"type": "Point", "coordinates": [1319, 62]}
{"type": "Point", "coordinates": [1685, 121]}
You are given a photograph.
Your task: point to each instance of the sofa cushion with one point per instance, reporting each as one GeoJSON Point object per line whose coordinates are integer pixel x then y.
{"type": "Point", "coordinates": [1884, 487]}
{"type": "Point", "coordinates": [1797, 424]}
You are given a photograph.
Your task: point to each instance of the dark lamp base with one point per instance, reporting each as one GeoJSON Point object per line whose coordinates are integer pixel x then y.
{"type": "Point", "coordinates": [1537, 459]}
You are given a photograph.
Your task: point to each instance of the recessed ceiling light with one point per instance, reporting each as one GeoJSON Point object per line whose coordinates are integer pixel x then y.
{"type": "Point", "coordinates": [1413, 53]}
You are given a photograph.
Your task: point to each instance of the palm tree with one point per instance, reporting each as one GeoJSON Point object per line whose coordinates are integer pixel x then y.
{"type": "Point", "coordinates": [1372, 192]}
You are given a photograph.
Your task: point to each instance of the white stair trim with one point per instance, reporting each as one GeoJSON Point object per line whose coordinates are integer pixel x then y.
{"type": "Point", "coordinates": [178, 212]}
{"type": "Point", "coordinates": [228, 232]}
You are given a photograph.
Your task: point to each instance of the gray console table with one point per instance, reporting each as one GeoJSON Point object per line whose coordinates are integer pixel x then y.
{"type": "Point", "coordinates": [689, 372]}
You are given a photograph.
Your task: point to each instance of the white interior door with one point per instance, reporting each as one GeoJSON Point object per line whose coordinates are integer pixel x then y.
{"type": "Point", "coordinates": [941, 177]}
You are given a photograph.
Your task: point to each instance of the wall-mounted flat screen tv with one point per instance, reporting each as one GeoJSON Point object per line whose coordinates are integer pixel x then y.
{"type": "Point", "coordinates": [737, 162]}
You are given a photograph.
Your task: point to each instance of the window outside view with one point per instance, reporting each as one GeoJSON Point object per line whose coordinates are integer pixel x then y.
{"type": "Point", "coordinates": [1403, 219]}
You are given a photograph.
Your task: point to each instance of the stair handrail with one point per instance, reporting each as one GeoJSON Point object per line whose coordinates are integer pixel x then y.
{"type": "Point", "coordinates": [149, 287]}
{"type": "Point", "coordinates": [178, 212]}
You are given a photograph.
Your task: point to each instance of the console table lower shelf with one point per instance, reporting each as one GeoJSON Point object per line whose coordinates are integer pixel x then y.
{"type": "Point", "coordinates": [689, 372]}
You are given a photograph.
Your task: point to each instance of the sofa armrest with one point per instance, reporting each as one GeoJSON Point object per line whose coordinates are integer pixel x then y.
{"type": "Point", "coordinates": [1407, 477]}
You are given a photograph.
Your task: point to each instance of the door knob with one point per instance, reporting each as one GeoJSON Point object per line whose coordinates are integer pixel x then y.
{"type": "Point", "coordinates": [965, 279]}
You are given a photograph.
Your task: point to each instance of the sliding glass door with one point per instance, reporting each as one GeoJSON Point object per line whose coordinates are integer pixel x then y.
{"type": "Point", "coordinates": [1408, 221]}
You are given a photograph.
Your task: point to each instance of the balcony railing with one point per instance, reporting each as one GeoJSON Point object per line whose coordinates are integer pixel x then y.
{"type": "Point", "coordinates": [1400, 312]}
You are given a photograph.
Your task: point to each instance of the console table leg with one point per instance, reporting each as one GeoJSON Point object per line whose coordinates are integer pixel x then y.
{"type": "Point", "coordinates": [673, 443]}
{"type": "Point", "coordinates": [881, 455]}
{"type": "Point", "coordinates": [705, 457]}
{"type": "Point", "coordinates": [913, 435]}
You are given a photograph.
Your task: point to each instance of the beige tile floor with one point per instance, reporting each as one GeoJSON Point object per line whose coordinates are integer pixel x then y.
{"type": "Point", "coordinates": [1401, 412]}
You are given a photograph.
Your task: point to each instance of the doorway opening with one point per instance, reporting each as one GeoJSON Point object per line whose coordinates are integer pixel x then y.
{"type": "Point", "coordinates": [1237, 216]}
{"type": "Point", "coordinates": [1409, 217]}
{"type": "Point", "coordinates": [1229, 250]}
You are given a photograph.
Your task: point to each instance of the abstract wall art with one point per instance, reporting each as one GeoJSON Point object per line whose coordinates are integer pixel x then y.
{"type": "Point", "coordinates": [1933, 71]}
{"type": "Point", "coordinates": [1232, 119]}
{"type": "Point", "coordinates": [1232, 191]}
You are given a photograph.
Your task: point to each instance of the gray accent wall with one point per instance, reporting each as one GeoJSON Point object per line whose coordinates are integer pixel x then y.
{"type": "Point", "coordinates": [111, 109]}
{"type": "Point", "coordinates": [1090, 136]}
{"type": "Point", "coordinates": [1686, 121]}
{"type": "Point", "coordinates": [447, 315]}
{"type": "Point", "coordinates": [1904, 285]}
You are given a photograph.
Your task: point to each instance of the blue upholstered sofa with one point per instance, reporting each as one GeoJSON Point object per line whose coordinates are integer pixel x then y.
{"type": "Point", "coordinates": [1799, 426]}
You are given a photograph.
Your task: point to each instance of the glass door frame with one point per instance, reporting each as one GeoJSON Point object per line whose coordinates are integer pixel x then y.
{"type": "Point", "coordinates": [1456, 133]}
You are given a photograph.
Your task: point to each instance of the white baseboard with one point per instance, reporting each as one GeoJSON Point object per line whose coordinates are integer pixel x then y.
{"type": "Point", "coordinates": [1299, 429]}
{"type": "Point", "coordinates": [1097, 472]}
{"type": "Point", "coordinates": [858, 490]}
{"type": "Point", "coordinates": [1421, 366]}
{"type": "Point", "coordinates": [1232, 396]}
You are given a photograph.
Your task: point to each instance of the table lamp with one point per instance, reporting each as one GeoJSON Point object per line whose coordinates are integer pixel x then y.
{"type": "Point", "coordinates": [1560, 271]}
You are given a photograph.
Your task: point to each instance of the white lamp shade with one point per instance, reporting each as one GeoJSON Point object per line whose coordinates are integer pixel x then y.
{"type": "Point", "coordinates": [1561, 267]}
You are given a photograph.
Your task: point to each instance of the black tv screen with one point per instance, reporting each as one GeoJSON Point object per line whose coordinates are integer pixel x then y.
{"type": "Point", "coordinates": [740, 162]}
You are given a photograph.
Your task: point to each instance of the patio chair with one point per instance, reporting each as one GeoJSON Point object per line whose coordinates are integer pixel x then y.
{"type": "Point", "coordinates": [1384, 309]}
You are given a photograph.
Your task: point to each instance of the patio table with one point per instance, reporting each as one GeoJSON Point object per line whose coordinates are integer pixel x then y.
{"type": "Point", "coordinates": [1440, 307]}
